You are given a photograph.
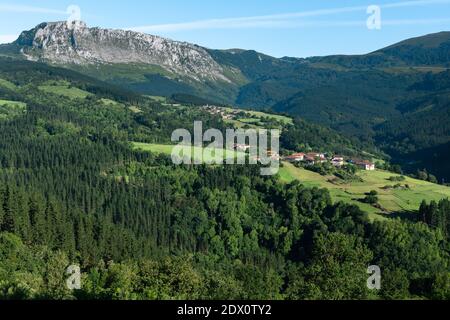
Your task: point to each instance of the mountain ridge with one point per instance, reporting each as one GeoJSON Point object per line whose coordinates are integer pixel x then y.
{"type": "Point", "coordinates": [246, 78]}
{"type": "Point", "coordinates": [60, 43]}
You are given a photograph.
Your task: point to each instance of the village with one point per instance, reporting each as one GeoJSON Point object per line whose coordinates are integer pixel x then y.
{"type": "Point", "coordinates": [224, 113]}
{"type": "Point", "coordinates": [309, 158]}
{"type": "Point", "coordinates": [314, 158]}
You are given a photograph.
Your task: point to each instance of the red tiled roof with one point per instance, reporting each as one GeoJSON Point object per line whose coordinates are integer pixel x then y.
{"type": "Point", "coordinates": [364, 162]}
{"type": "Point", "coordinates": [295, 155]}
{"type": "Point", "coordinates": [314, 155]}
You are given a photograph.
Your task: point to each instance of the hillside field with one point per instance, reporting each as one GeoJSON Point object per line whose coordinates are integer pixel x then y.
{"type": "Point", "coordinates": [258, 116]}
{"type": "Point", "coordinates": [10, 109]}
{"type": "Point", "coordinates": [167, 149]}
{"type": "Point", "coordinates": [65, 90]}
{"type": "Point", "coordinates": [392, 200]}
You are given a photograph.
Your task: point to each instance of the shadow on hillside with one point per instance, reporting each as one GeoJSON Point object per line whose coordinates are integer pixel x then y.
{"type": "Point", "coordinates": [404, 215]}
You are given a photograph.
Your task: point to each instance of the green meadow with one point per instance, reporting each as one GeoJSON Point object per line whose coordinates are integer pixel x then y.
{"type": "Point", "coordinates": [65, 90]}
{"type": "Point", "coordinates": [10, 109]}
{"type": "Point", "coordinates": [258, 116]}
{"type": "Point", "coordinates": [392, 200]}
{"type": "Point", "coordinates": [192, 152]}
{"type": "Point", "coordinates": [158, 99]}
{"type": "Point", "coordinates": [283, 119]}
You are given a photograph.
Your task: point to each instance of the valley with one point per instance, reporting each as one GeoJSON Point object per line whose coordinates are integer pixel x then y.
{"type": "Point", "coordinates": [391, 83]}
{"type": "Point", "coordinates": [86, 175]}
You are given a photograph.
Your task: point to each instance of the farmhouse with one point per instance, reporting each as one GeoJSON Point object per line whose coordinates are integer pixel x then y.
{"type": "Point", "coordinates": [270, 155]}
{"type": "Point", "coordinates": [296, 157]}
{"type": "Point", "coordinates": [310, 160]}
{"type": "Point", "coordinates": [225, 113]}
{"type": "Point", "coordinates": [337, 161]}
{"type": "Point", "coordinates": [365, 165]}
{"type": "Point", "coordinates": [316, 155]}
{"type": "Point", "coordinates": [215, 110]}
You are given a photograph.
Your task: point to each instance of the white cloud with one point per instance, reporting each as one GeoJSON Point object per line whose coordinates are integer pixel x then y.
{"type": "Point", "coordinates": [242, 22]}
{"type": "Point", "coordinates": [362, 23]}
{"type": "Point", "coordinates": [415, 3]}
{"type": "Point", "coordinates": [414, 22]}
{"type": "Point", "coordinates": [275, 20]}
{"type": "Point", "coordinates": [8, 38]}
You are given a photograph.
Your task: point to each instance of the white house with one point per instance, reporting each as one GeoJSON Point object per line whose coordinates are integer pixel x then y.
{"type": "Point", "coordinates": [337, 161]}
{"type": "Point", "coordinates": [365, 165]}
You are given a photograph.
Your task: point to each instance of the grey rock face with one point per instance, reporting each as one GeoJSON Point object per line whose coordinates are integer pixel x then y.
{"type": "Point", "coordinates": [61, 43]}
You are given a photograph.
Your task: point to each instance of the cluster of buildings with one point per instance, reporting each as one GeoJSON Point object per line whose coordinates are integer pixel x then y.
{"type": "Point", "coordinates": [310, 158]}
{"type": "Point", "coordinates": [222, 112]}
{"type": "Point", "coordinates": [313, 158]}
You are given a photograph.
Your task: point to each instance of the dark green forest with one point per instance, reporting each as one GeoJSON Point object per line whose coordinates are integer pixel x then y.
{"type": "Point", "coordinates": [74, 191]}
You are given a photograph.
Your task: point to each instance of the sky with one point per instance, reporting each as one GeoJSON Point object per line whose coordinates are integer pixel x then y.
{"type": "Point", "coordinates": [296, 28]}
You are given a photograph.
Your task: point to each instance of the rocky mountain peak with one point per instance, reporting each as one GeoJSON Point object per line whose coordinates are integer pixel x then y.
{"type": "Point", "coordinates": [76, 43]}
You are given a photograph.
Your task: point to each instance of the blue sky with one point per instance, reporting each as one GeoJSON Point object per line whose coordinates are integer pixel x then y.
{"type": "Point", "coordinates": [297, 28]}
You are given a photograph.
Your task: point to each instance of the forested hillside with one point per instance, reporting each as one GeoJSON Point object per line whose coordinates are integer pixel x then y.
{"type": "Point", "coordinates": [374, 98]}
{"type": "Point", "coordinates": [419, 137]}
{"type": "Point", "coordinates": [73, 190]}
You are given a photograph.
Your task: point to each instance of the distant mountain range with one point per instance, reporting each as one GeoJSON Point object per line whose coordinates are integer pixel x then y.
{"type": "Point", "coordinates": [396, 98]}
{"type": "Point", "coordinates": [240, 77]}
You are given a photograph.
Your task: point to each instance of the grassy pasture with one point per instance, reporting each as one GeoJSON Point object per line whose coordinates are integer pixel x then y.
{"type": "Point", "coordinates": [249, 120]}
{"type": "Point", "coordinates": [65, 90]}
{"type": "Point", "coordinates": [283, 119]}
{"type": "Point", "coordinates": [10, 109]}
{"type": "Point", "coordinates": [392, 200]}
{"type": "Point", "coordinates": [135, 109]}
{"type": "Point", "coordinates": [259, 116]}
{"type": "Point", "coordinates": [109, 102]}
{"type": "Point", "coordinates": [192, 152]}
{"type": "Point", "coordinates": [158, 99]}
